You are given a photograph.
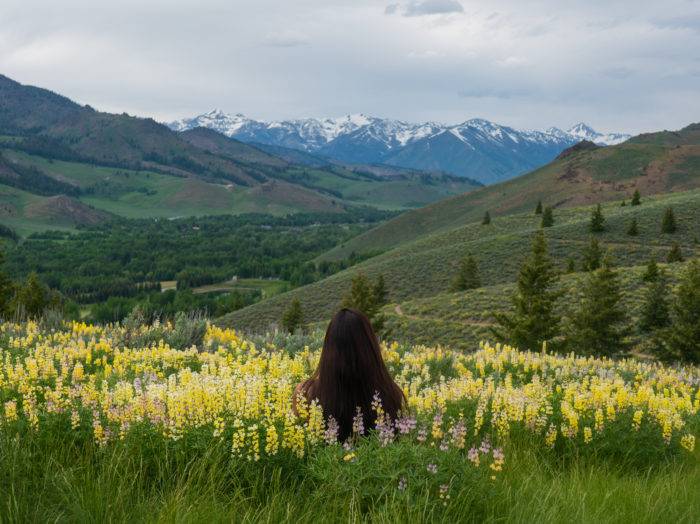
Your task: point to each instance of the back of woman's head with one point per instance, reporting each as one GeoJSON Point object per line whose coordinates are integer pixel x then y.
{"type": "Point", "coordinates": [351, 371]}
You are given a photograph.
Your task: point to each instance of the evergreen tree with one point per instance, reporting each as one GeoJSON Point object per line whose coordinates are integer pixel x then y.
{"type": "Point", "coordinates": [468, 276]}
{"type": "Point", "coordinates": [361, 296]}
{"type": "Point", "coordinates": [7, 291]}
{"type": "Point", "coordinates": [534, 319]}
{"type": "Point", "coordinates": [293, 318]}
{"type": "Point", "coordinates": [682, 338]}
{"type": "Point", "coordinates": [599, 326]}
{"type": "Point", "coordinates": [668, 224]}
{"type": "Point", "coordinates": [674, 255]}
{"type": "Point", "coordinates": [570, 265]}
{"type": "Point", "coordinates": [597, 224]}
{"type": "Point", "coordinates": [365, 296]}
{"type": "Point", "coordinates": [33, 298]}
{"type": "Point", "coordinates": [655, 312]}
{"type": "Point", "coordinates": [592, 255]}
{"type": "Point", "coordinates": [636, 198]}
{"type": "Point", "coordinates": [633, 231]}
{"type": "Point", "coordinates": [547, 217]}
{"type": "Point", "coordinates": [652, 272]}
{"type": "Point", "coordinates": [487, 219]}
{"type": "Point", "coordinates": [623, 204]}
{"type": "Point", "coordinates": [379, 290]}
{"type": "Point", "coordinates": [538, 209]}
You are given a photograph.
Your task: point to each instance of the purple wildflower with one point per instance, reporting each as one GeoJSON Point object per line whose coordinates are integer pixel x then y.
{"type": "Point", "coordinates": [358, 423]}
{"type": "Point", "coordinates": [330, 436]}
{"type": "Point", "coordinates": [432, 468]}
{"type": "Point", "coordinates": [385, 430]}
{"type": "Point", "coordinates": [405, 425]}
{"type": "Point", "coordinates": [402, 484]}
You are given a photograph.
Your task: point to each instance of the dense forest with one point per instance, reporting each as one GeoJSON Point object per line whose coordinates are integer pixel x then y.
{"type": "Point", "coordinates": [122, 263]}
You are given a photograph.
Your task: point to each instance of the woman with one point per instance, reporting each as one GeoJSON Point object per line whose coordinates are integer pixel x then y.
{"type": "Point", "coordinates": [350, 372]}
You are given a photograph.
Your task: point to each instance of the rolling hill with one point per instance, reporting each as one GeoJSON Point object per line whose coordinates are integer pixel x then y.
{"type": "Point", "coordinates": [423, 269]}
{"type": "Point", "coordinates": [135, 167]}
{"type": "Point", "coordinates": [654, 163]}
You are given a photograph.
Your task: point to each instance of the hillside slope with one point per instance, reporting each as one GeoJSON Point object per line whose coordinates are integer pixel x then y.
{"type": "Point", "coordinates": [653, 163]}
{"type": "Point", "coordinates": [135, 167]}
{"type": "Point", "coordinates": [426, 267]}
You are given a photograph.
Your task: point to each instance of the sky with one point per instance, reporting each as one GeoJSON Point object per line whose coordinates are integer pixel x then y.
{"type": "Point", "coordinates": [619, 65]}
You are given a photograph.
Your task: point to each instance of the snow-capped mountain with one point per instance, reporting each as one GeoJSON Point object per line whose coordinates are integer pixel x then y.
{"type": "Point", "coordinates": [584, 132]}
{"type": "Point", "coordinates": [477, 148]}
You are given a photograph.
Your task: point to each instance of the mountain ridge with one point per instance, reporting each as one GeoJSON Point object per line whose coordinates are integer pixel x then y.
{"type": "Point", "coordinates": [476, 148]}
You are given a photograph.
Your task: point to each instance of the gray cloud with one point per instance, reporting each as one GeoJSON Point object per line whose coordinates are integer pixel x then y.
{"type": "Point", "coordinates": [432, 7]}
{"type": "Point", "coordinates": [391, 9]}
{"type": "Point", "coordinates": [626, 65]}
{"type": "Point", "coordinates": [286, 39]}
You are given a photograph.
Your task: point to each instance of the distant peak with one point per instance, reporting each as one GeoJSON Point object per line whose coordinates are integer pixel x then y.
{"type": "Point", "coordinates": [582, 127]}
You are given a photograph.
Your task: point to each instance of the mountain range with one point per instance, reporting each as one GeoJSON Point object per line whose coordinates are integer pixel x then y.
{"type": "Point", "coordinates": [64, 164]}
{"type": "Point", "coordinates": [477, 149]}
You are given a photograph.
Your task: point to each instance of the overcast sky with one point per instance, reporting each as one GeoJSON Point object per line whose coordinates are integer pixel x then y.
{"type": "Point", "coordinates": [625, 65]}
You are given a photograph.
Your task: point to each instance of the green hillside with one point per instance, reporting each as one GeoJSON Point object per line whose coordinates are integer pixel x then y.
{"type": "Point", "coordinates": [426, 267]}
{"type": "Point", "coordinates": [463, 319]}
{"type": "Point", "coordinates": [135, 167]}
{"type": "Point", "coordinates": [653, 163]}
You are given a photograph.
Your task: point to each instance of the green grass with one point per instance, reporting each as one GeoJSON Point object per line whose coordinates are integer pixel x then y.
{"type": "Point", "coordinates": [426, 267]}
{"type": "Point", "coordinates": [141, 480]}
{"type": "Point", "coordinates": [267, 287]}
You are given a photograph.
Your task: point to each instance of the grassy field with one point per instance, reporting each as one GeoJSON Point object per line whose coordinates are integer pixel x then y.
{"type": "Point", "coordinates": [91, 430]}
{"type": "Point", "coordinates": [144, 194]}
{"type": "Point", "coordinates": [426, 267]}
{"type": "Point", "coordinates": [267, 287]}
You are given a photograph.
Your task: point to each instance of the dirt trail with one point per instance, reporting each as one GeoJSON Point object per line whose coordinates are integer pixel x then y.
{"type": "Point", "coordinates": [481, 323]}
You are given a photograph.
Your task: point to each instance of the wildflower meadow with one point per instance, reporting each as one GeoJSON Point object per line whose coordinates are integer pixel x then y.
{"type": "Point", "coordinates": [122, 422]}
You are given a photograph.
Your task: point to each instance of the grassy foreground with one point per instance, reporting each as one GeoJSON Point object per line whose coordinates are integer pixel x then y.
{"type": "Point", "coordinates": [192, 423]}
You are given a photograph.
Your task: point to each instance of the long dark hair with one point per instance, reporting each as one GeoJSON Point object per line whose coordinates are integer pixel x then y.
{"type": "Point", "coordinates": [350, 372]}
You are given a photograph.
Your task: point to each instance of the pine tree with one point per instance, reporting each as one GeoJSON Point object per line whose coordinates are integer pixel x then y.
{"type": "Point", "coordinates": [534, 319]}
{"type": "Point", "coordinates": [487, 219]}
{"type": "Point", "coordinates": [633, 231]}
{"type": "Point", "coordinates": [468, 276]}
{"type": "Point", "coordinates": [379, 290]}
{"type": "Point", "coordinates": [361, 296]}
{"type": "Point", "coordinates": [7, 291]}
{"type": "Point", "coordinates": [599, 326]}
{"type": "Point", "coordinates": [636, 198]}
{"type": "Point", "coordinates": [682, 338]}
{"type": "Point", "coordinates": [368, 298]}
{"type": "Point", "coordinates": [674, 255]}
{"type": "Point", "coordinates": [655, 312]}
{"type": "Point", "coordinates": [668, 224]}
{"type": "Point", "coordinates": [623, 204]}
{"type": "Point", "coordinates": [652, 272]}
{"type": "Point", "coordinates": [597, 224]}
{"type": "Point", "coordinates": [592, 255]}
{"type": "Point", "coordinates": [570, 265]}
{"type": "Point", "coordinates": [293, 318]}
{"type": "Point", "coordinates": [33, 298]}
{"type": "Point", "coordinates": [547, 217]}
{"type": "Point", "coordinates": [538, 209]}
